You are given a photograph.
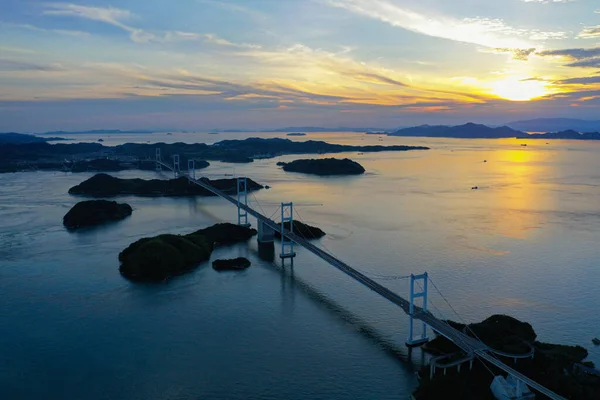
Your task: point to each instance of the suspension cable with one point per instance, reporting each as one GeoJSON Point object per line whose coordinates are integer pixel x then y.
{"type": "Point", "coordinates": [464, 323]}
{"type": "Point", "coordinates": [374, 275]}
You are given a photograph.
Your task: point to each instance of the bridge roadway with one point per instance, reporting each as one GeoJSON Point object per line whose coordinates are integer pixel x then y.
{"type": "Point", "coordinates": [467, 343]}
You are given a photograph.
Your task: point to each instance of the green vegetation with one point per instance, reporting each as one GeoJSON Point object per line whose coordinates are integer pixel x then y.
{"type": "Point", "coordinates": [95, 212]}
{"type": "Point", "coordinates": [161, 257]}
{"type": "Point", "coordinates": [552, 365]}
{"type": "Point", "coordinates": [304, 230]}
{"type": "Point", "coordinates": [103, 185]}
{"type": "Point", "coordinates": [324, 166]}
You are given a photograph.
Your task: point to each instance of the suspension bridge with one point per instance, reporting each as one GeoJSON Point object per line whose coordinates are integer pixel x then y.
{"type": "Point", "coordinates": [472, 346]}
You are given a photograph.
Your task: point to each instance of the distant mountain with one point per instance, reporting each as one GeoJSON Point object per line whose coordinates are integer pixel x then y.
{"type": "Point", "coordinates": [466, 131]}
{"type": "Point", "coordinates": [555, 125]}
{"type": "Point", "coordinates": [96, 132]}
{"type": "Point", "coordinates": [321, 129]}
{"type": "Point", "coordinates": [19, 138]}
{"type": "Point", "coordinates": [567, 135]}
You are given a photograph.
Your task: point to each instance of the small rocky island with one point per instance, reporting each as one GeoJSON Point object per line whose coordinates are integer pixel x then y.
{"type": "Point", "coordinates": [559, 368]}
{"type": "Point", "coordinates": [324, 166]}
{"type": "Point", "coordinates": [103, 185]}
{"type": "Point", "coordinates": [304, 230]}
{"type": "Point", "coordinates": [161, 257]}
{"type": "Point", "coordinates": [235, 264]}
{"type": "Point", "coordinates": [95, 212]}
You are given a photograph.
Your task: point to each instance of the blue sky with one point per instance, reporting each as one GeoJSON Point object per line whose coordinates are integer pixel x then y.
{"type": "Point", "coordinates": [203, 64]}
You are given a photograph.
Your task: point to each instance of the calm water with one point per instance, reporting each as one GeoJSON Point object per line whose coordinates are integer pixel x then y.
{"type": "Point", "coordinates": [525, 244]}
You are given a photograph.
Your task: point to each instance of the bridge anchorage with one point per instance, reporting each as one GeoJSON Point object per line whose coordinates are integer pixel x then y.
{"type": "Point", "coordinates": [472, 346]}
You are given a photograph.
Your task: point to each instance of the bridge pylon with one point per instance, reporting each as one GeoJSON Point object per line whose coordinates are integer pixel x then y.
{"type": "Point", "coordinates": [242, 199]}
{"type": "Point", "coordinates": [413, 340]}
{"type": "Point", "coordinates": [158, 160]}
{"type": "Point", "coordinates": [192, 169]}
{"type": "Point", "coordinates": [176, 167]}
{"type": "Point", "coordinates": [287, 245]}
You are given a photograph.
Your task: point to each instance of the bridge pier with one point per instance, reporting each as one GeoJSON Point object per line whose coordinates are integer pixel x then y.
{"type": "Point", "coordinates": [287, 245]}
{"type": "Point", "coordinates": [242, 199]}
{"type": "Point", "coordinates": [192, 169]}
{"type": "Point", "coordinates": [158, 160]}
{"type": "Point", "coordinates": [176, 168]}
{"type": "Point", "coordinates": [266, 242]}
{"type": "Point", "coordinates": [413, 340]}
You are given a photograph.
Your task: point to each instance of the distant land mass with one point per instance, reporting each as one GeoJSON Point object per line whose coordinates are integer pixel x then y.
{"type": "Point", "coordinates": [478, 131]}
{"type": "Point", "coordinates": [299, 129]}
{"type": "Point", "coordinates": [95, 156]}
{"type": "Point", "coordinates": [97, 132]}
{"type": "Point", "coordinates": [21, 138]}
{"type": "Point", "coordinates": [321, 129]}
{"type": "Point", "coordinates": [555, 125]}
{"type": "Point", "coordinates": [466, 131]}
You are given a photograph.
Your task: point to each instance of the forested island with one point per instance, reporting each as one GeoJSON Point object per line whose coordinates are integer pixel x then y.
{"type": "Point", "coordinates": [161, 257]}
{"type": "Point", "coordinates": [303, 230]}
{"type": "Point", "coordinates": [97, 157]}
{"type": "Point", "coordinates": [95, 212]}
{"type": "Point", "coordinates": [559, 368]}
{"type": "Point", "coordinates": [21, 138]}
{"type": "Point", "coordinates": [324, 166]}
{"type": "Point", "coordinates": [103, 185]}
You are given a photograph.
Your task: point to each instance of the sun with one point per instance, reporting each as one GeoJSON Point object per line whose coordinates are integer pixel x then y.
{"type": "Point", "coordinates": [516, 89]}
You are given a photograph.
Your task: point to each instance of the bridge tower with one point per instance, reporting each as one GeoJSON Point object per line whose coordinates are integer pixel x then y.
{"type": "Point", "coordinates": [413, 340]}
{"type": "Point", "coordinates": [266, 241]}
{"type": "Point", "coordinates": [287, 245]}
{"type": "Point", "coordinates": [176, 168]}
{"type": "Point", "coordinates": [192, 169]}
{"type": "Point", "coordinates": [242, 199]}
{"type": "Point", "coordinates": [158, 160]}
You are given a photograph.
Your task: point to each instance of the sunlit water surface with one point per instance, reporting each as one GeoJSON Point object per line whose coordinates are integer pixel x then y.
{"type": "Point", "coordinates": [525, 244]}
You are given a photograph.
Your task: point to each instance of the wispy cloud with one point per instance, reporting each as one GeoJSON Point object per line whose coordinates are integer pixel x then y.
{"type": "Point", "coordinates": [19, 66]}
{"type": "Point", "coordinates": [38, 29]}
{"type": "Point", "coordinates": [110, 15]}
{"type": "Point", "coordinates": [573, 54]}
{"type": "Point", "coordinates": [516, 54]}
{"type": "Point", "coordinates": [581, 81]}
{"type": "Point", "coordinates": [119, 18]}
{"type": "Point", "coordinates": [581, 58]}
{"type": "Point", "coordinates": [547, 1]}
{"type": "Point", "coordinates": [590, 32]}
{"type": "Point", "coordinates": [212, 38]}
{"type": "Point", "coordinates": [486, 32]}
{"type": "Point", "coordinates": [234, 8]}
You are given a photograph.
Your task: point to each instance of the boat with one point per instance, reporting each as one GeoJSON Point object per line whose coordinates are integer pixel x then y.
{"type": "Point", "coordinates": [596, 341]}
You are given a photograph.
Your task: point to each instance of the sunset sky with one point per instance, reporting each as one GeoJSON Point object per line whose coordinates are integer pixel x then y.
{"type": "Point", "coordinates": [203, 64]}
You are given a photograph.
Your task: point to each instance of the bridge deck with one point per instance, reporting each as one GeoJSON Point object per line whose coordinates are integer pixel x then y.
{"type": "Point", "coordinates": [467, 343]}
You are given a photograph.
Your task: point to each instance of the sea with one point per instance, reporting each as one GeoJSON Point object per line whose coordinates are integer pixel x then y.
{"type": "Point", "coordinates": [524, 243]}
